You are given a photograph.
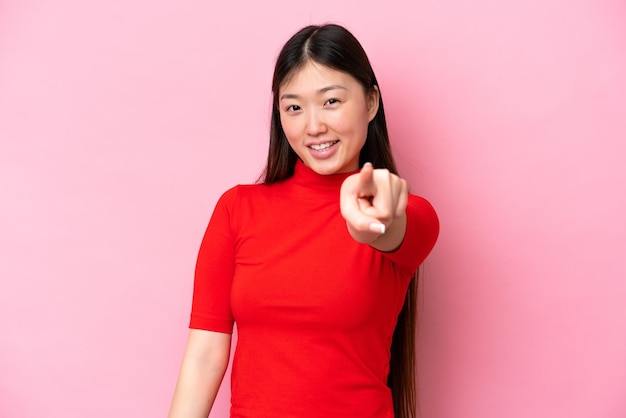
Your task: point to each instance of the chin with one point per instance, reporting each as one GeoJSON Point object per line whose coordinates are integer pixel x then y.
{"type": "Point", "coordinates": [328, 167]}
{"type": "Point", "coordinates": [324, 171]}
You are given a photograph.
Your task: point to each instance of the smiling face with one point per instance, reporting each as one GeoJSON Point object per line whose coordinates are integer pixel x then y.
{"type": "Point", "coordinates": [325, 114]}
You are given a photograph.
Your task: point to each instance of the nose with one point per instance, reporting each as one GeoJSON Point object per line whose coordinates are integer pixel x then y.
{"type": "Point", "coordinates": [315, 123]}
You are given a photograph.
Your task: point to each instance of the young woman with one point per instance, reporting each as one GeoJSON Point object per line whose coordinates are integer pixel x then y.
{"type": "Point", "coordinates": [315, 264]}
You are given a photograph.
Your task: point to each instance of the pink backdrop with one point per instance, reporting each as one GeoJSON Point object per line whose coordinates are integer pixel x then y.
{"type": "Point", "coordinates": [121, 122]}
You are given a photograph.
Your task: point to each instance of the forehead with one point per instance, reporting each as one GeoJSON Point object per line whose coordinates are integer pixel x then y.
{"type": "Point", "coordinates": [314, 76]}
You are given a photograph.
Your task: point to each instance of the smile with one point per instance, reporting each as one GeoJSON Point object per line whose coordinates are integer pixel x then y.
{"type": "Point", "coordinates": [322, 147]}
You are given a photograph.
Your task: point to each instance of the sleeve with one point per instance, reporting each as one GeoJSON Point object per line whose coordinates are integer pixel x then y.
{"type": "Point", "coordinates": [422, 230]}
{"type": "Point", "coordinates": [210, 308]}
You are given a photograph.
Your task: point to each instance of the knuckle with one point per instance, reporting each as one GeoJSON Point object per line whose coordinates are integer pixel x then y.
{"type": "Point", "coordinates": [385, 214]}
{"type": "Point", "coordinates": [381, 172]}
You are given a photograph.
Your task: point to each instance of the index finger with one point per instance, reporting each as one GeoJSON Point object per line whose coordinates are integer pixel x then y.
{"type": "Point", "coordinates": [366, 187]}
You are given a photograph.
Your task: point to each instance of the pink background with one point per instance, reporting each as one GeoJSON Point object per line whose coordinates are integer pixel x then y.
{"type": "Point", "coordinates": [121, 122]}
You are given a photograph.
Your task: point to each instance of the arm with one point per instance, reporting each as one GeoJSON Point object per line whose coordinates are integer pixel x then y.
{"type": "Point", "coordinates": [203, 367]}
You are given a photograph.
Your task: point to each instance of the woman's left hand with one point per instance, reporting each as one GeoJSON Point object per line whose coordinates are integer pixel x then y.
{"type": "Point", "coordinates": [373, 203]}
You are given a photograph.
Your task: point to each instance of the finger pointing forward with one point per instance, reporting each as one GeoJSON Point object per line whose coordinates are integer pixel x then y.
{"type": "Point", "coordinates": [373, 203]}
{"type": "Point", "coordinates": [358, 195]}
{"type": "Point", "coordinates": [365, 186]}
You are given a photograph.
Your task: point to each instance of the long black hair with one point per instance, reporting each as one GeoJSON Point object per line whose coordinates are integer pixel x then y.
{"type": "Point", "coordinates": [335, 47]}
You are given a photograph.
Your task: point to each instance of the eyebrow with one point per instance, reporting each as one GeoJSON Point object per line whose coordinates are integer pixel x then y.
{"type": "Point", "coordinates": [320, 91]}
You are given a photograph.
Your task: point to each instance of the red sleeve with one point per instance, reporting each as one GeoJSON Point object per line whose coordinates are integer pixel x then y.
{"type": "Point", "coordinates": [210, 308]}
{"type": "Point", "coordinates": [422, 230]}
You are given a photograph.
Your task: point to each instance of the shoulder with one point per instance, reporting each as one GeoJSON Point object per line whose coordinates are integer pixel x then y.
{"type": "Point", "coordinates": [242, 191]}
{"type": "Point", "coordinates": [422, 214]}
{"type": "Point", "coordinates": [245, 198]}
{"type": "Point", "coordinates": [421, 206]}
{"type": "Point", "coordinates": [422, 231]}
{"type": "Point", "coordinates": [423, 221]}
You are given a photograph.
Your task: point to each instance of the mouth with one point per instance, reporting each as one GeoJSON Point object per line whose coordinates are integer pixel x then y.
{"type": "Point", "coordinates": [322, 147]}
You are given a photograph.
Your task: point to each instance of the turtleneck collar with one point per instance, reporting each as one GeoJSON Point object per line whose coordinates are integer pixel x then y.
{"type": "Point", "coordinates": [305, 176]}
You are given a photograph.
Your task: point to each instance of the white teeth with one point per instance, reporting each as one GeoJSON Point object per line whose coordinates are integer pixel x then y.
{"type": "Point", "coordinates": [322, 147]}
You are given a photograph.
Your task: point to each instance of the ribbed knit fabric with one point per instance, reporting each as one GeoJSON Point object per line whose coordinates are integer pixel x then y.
{"type": "Point", "coordinates": [315, 310]}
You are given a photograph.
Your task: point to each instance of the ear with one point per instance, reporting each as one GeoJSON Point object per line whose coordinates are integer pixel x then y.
{"type": "Point", "coordinates": [372, 98]}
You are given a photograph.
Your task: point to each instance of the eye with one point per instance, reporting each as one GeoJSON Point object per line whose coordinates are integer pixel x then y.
{"type": "Point", "coordinates": [293, 108]}
{"type": "Point", "coordinates": [332, 101]}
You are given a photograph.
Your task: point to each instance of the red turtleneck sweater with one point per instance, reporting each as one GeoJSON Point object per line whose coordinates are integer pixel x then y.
{"type": "Point", "coordinates": [315, 310]}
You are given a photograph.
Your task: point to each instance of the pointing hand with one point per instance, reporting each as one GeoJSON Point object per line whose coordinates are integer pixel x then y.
{"type": "Point", "coordinates": [373, 203]}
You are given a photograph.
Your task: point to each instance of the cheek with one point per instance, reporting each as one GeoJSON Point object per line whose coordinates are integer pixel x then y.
{"type": "Point", "coordinates": [354, 124]}
{"type": "Point", "coordinates": [289, 128]}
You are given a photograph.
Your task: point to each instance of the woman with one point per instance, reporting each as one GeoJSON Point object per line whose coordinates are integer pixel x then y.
{"type": "Point", "coordinates": [316, 262]}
